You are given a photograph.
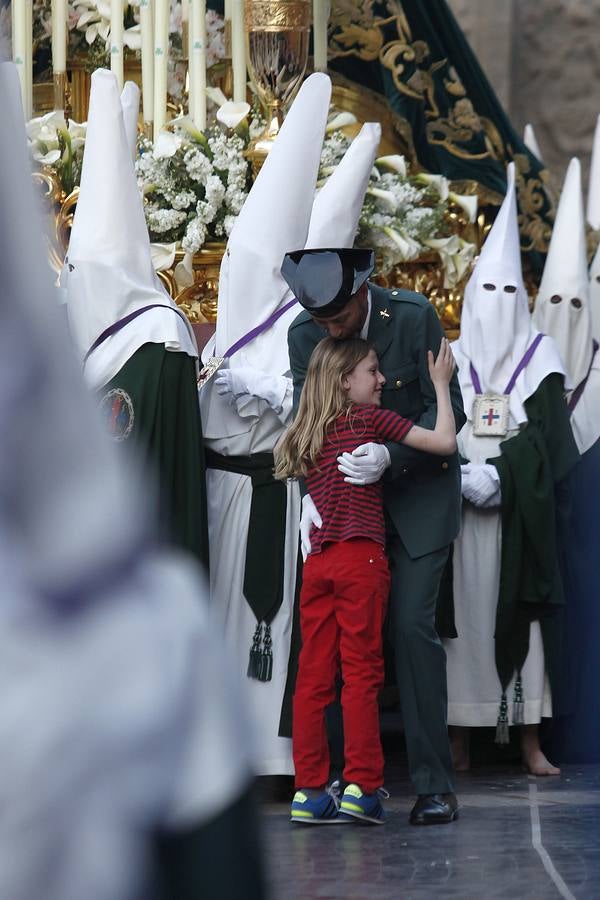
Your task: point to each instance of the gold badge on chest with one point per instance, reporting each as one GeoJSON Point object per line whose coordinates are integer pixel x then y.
{"type": "Point", "coordinates": [490, 415]}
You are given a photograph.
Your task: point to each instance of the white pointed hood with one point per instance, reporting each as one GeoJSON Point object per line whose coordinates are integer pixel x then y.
{"type": "Point", "coordinates": [273, 220]}
{"type": "Point", "coordinates": [130, 104]}
{"type": "Point", "coordinates": [595, 294]}
{"type": "Point", "coordinates": [496, 328]}
{"type": "Point", "coordinates": [108, 271]}
{"type": "Point", "coordinates": [337, 206]}
{"type": "Point", "coordinates": [593, 200]}
{"type": "Point", "coordinates": [562, 308]}
{"type": "Point", "coordinates": [60, 479]}
{"type": "Point", "coordinates": [530, 141]}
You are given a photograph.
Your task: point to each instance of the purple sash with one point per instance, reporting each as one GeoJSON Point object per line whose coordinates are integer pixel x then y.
{"type": "Point", "coordinates": [116, 326]}
{"type": "Point", "coordinates": [576, 395]}
{"type": "Point", "coordinates": [250, 335]}
{"type": "Point", "coordinates": [522, 365]}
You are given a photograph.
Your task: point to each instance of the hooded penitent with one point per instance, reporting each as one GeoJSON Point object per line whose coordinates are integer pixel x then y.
{"type": "Point", "coordinates": [274, 218]}
{"type": "Point", "coordinates": [108, 272]}
{"type": "Point", "coordinates": [337, 206]}
{"type": "Point", "coordinates": [593, 200]}
{"type": "Point", "coordinates": [496, 328]}
{"type": "Point", "coordinates": [59, 477]}
{"type": "Point", "coordinates": [562, 308]}
{"type": "Point", "coordinates": [530, 141]}
{"type": "Point", "coordinates": [595, 294]}
{"type": "Point", "coordinates": [130, 104]}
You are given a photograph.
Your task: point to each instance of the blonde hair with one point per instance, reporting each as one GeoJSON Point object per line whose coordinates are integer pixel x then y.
{"type": "Point", "coordinates": [322, 401]}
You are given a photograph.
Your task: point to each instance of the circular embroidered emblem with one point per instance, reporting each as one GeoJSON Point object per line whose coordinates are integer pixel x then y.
{"type": "Point", "coordinates": [117, 410]}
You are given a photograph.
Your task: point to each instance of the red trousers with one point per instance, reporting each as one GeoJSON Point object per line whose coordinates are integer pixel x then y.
{"type": "Point", "coordinates": [342, 607]}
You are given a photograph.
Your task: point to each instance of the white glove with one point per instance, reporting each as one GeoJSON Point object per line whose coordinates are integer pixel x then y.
{"type": "Point", "coordinates": [309, 518]}
{"type": "Point", "coordinates": [365, 465]}
{"type": "Point", "coordinates": [481, 484]}
{"type": "Point", "coordinates": [246, 381]}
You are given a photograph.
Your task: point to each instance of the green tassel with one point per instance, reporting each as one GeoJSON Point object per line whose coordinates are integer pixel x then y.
{"type": "Point", "coordinates": [518, 704]}
{"type": "Point", "coordinates": [254, 662]}
{"type": "Point", "coordinates": [267, 656]}
{"type": "Point", "coordinates": [502, 733]}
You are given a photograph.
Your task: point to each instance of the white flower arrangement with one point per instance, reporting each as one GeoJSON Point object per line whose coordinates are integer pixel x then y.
{"type": "Point", "coordinates": [194, 184]}
{"type": "Point", "coordinates": [404, 216]}
{"type": "Point", "coordinates": [58, 144]}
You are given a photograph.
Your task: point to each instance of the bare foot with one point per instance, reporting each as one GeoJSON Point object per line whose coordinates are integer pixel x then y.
{"type": "Point", "coordinates": [534, 760]}
{"type": "Point", "coordinates": [459, 748]}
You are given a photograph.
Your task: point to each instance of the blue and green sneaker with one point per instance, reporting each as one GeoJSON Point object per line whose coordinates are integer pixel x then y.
{"type": "Point", "coordinates": [366, 807]}
{"type": "Point", "coordinates": [320, 809]}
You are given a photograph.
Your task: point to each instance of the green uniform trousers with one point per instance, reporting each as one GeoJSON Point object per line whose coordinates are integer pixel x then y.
{"type": "Point", "coordinates": [420, 665]}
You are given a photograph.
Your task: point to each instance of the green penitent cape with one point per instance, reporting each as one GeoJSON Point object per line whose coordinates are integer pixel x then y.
{"type": "Point", "coordinates": [157, 412]}
{"type": "Point", "coordinates": [531, 466]}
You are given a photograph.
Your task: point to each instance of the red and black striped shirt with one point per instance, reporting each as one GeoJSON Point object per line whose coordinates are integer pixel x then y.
{"type": "Point", "coordinates": [351, 511]}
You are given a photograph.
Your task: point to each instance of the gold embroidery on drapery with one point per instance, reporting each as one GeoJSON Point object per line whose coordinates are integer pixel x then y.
{"type": "Point", "coordinates": [356, 30]}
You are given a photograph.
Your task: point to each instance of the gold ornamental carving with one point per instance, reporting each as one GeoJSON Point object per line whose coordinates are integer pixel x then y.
{"type": "Point", "coordinates": [277, 15]}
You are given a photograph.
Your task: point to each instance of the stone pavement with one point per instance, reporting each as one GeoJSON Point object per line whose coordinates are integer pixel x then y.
{"type": "Point", "coordinates": [517, 838]}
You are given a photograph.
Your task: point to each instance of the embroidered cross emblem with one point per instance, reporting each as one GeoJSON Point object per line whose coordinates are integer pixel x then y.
{"type": "Point", "coordinates": [384, 314]}
{"type": "Point", "coordinates": [490, 416]}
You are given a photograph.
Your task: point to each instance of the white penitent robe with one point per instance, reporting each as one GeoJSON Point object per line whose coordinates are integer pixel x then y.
{"type": "Point", "coordinates": [474, 689]}
{"type": "Point", "coordinates": [229, 496]}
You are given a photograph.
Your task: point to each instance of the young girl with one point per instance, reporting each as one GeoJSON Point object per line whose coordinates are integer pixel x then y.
{"type": "Point", "coordinates": [346, 578]}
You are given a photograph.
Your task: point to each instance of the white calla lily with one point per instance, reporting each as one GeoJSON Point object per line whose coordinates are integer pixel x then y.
{"type": "Point", "coordinates": [393, 163]}
{"type": "Point", "coordinates": [408, 247]}
{"type": "Point", "coordinates": [86, 17]}
{"type": "Point", "coordinates": [183, 273]}
{"type": "Point", "coordinates": [46, 128]}
{"type": "Point", "coordinates": [216, 95]}
{"type": "Point", "coordinates": [343, 118]}
{"type": "Point", "coordinates": [387, 196]}
{"type": "Point", "coordinates": [163, 256]}
{"type": "Point", "coordinates": [166, 145]}
{"type": "Point", "coordinates": [104, 9]}
{"type": "Point", "coordinates": [457, 256]}
{"type": "Point", "coordinates": [77, 129]}
{"type": "Point", "coordinates": [231, 114]}
{"type": "Point", "coordinates": [467, 202]}
{"type": "Point", "coordinates": [132, 37]}
{"type": "Point", "coordinates": [46, 159]}
{"type": "Point", "coordinates": [438, 182]}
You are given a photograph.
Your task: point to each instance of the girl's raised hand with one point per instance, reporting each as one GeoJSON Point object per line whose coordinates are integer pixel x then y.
{"type": "Point", "coordinates": [442, 369]}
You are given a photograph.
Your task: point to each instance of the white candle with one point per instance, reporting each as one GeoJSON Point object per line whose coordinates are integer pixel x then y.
{"type": "Point", "coordinates": [320, 19]}
{"type": "Point", "coordinates": [19, 39]}
{"type": "Point", "coordinates": [197, 88]}
{"type": "Point", "coordinates": [116, 40]}
{"type": "Point", "coordinates": [161, 53]}
{"type": "Point", "coordinates": [227, 10]}
{"type": "Point", "coordinates": [238, 51]}
{"type": "Point", "coordinates": [29, 58]}
{"type": "Point", "coordinates": [147, 31]}
{"type": "Point", "coordinates": [185, 13]}
{"type": "Point", "coordinates": [59, 36]}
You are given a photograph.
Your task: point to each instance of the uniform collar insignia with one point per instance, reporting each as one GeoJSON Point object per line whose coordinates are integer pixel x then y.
{"type": "Point", "coordinates": [384, 313]}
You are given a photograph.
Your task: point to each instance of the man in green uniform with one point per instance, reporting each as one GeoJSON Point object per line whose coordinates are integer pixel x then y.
{"type": "Point", "coordinates": [421, 492]}
{"type": "Point", "coordinates": [138, 350]}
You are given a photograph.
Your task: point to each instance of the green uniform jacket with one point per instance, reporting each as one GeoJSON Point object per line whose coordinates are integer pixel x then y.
{"type": "Point", "coordinates": [421, 491]}
{"type": "Point", "coordinates": [160, 417]}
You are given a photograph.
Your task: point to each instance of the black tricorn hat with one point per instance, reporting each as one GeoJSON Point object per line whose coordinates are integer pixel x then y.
{"type": "Point", "coordinates": [324, 280]}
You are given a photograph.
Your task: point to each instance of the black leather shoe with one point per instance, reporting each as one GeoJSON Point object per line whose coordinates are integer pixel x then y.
{"type": "Point", "coordinates": [434, 809]}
